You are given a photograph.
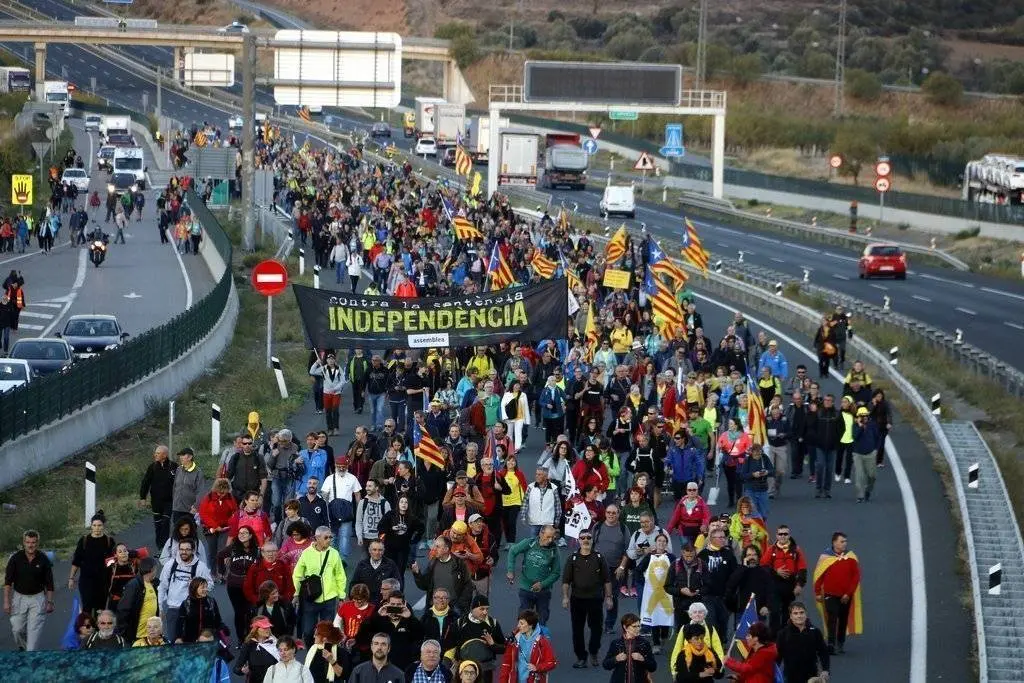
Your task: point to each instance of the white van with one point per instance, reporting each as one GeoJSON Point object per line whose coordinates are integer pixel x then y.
{"type": "Point", "coordinates": [618, 200]}
{"type": "Point", "coordinates": [130, 160]}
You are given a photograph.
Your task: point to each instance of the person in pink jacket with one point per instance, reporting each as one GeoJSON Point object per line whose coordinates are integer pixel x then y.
{"type": "Point", "coordinates": [691, 516]}
{"type": "Point", "coordinates": [733, 444]}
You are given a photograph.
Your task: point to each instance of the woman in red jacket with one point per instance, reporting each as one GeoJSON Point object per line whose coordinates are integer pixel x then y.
{"type": "Point", "coordinates": [733, 444]}
{"type": "Point", "coordinates": [590, 470]}
{"type": "Point", "coordinates": [759, 666]}
{"type": "Point", "coordinates": [215, 512]}
{"type": "Point", "coordinates": [692, 515]}
{"type": "Point", "coordinates": [528, 638]}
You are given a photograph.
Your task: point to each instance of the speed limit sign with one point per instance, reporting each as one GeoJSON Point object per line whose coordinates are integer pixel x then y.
{"type": "Point", "coordinates": [882, 184]}
{"type": "Point", "coordinates": [883, 169]}
{"type": "Point", "coordinates": [835, 161]}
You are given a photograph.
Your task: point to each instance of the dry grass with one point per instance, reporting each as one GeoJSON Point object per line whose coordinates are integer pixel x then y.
{"type": "Point", "coordinates": [361, 15]}
{"type": "Point", "coordinates": [206, 13]}
{"type": "Point", "coordinates": [965, 50]}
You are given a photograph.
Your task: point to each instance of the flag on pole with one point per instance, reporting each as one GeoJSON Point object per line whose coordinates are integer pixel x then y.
{"type": "Point", "coordinates": [693, 251]}
{"type": "Point", "coordinates": [425, 448]}
{"type": "Point", "coordinates": [448, 208]}
{"type": "Point", "coordinates": [463, 162]}
{"type": "Point", "coordinates": [660, 264]}
{"type": "Point", "coordinates": [593, 336]}
{"type": "Point", "coordinates": [563, 219]}
{"type": "Point", "coordinates": [542, 265]}
{"type": "Point", "coordinates": [747, 619]}
{"type": "Point", "coordinates": [498, 270]}
{"type": "Point", "coordinates": [756, 421]}
{"type": "Point", "coordinates": [616, 247]}
{"type": "Point", "coordinates": [663, 305]}
{"type": "Point", "coordinates": [465, 230]}
{"type": "Point", "coordinates": [570, 274]}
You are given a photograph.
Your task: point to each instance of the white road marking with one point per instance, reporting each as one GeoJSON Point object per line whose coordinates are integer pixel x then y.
{"type": "Point", "coordinates": [1013, 325]}
{"type": "Point", "coordinates": [966, 310]}
{"type": "Point", "coordinates": [801, 247]}
{"type": "Point", "coordinates": [30, 254]}
{"type": "Point", "coordinates": [915, 538]}
{"type": "Point", "coordinates": [840, 277]}
{"type": "Point", "coordinates": [778, 260]}
{"type": "Point", "coordinates": [723, 244]}
{"type": "Point", "coordinates": [49, 304]}
{"type": "Point", "coordinates": [24, 326]}
{"type": "Point", "coordinates": [926, 276]}
{"type": "Point", "coordinates": [83, 257]}
{"type": "Point", "coordinates": [1002, 293]}
{"type": "Point", "coordinates": [920, 298]}
{"type": "Point", "coordinates": [184, 274]}
{"type": "Point", "coordinates": [32, 314]}
{"type": "Point", "coordinates": [881, 287]}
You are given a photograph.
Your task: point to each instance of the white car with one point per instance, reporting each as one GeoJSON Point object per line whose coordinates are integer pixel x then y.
{"type": "Point", "coordinates": [426, 147]}
{"type": "Point", "coordinates": [77, 177]}
{"type": "Point", "coordinates": [618, 200]}
{"type": "Point", "coordinates": [235, 122]}
{"type": "Point", "coordinates": [13, 373]}
{"type": "Point", "coordinates": [92, 122]}
{"type": "Point", "coordinates": [234, 27]}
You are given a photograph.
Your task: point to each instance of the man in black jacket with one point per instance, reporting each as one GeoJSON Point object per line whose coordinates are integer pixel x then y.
{"type": "Point", "coordinates": [377, 378]}
{"type": "Point", "coordinates": [801, 647]}
{"type": "Point", "coordinates": [719, 562]}
{"type": "Point", "coordinates": [158, 486]}
{"type": "Point", "coordinates": [828, 427]}
{"type": "Point", "coordinates": [796, 416]}
{"type": "Point", "coordinates": [129, 607]}
{"type": "Point", "coordinates": [444, 570]}
{"type": "Point", "coordinates": [247, 470]}
{"type": "Point", "coordinates": [373, 570]}
{"type": "Point", "coordinates": [394, 619]}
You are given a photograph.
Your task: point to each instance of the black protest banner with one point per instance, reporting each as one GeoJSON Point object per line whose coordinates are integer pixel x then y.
{"type": "Point", "coordinates": [336, 319]}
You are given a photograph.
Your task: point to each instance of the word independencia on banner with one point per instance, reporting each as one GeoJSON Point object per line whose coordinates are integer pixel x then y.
{"type": "Point", "coordinates": [532, 313]}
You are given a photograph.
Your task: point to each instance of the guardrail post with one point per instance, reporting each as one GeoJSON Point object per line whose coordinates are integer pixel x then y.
{"type": "Point", "coordinates": [972, 475]}
{"type": "Point", "coordinates": [807, 275]}
{"type": "Point", "coordinates": [937, 405]}
{"type": "Point", "coordinates": [279, 374]}
{"type": "Point", "coordinates": [995, 579]}
{"type": "Point", "coordinates": [718, 266]}
{"type": "Point", "coordinates": [959, 339]}
{"type": "Point", "coordinates": [885, 303]}
{"type": "Point", "coordinates": [741, 257]}
{"type": "Point", "coordinates": [894, 356]}
{"type": "Point", "coordinates": [778, 289]}
{"type": "Point", "coordinates": [90, 492]}
{"type": "Point", "coordinates": [316, 277]}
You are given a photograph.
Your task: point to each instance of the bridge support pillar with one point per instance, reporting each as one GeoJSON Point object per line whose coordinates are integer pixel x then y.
{"type": "Point", "coordinates": [447, 79]}
{"type": "Point", "coordinates": [718, 157]}
{"type": "Point", "coordinates": [41, 72]}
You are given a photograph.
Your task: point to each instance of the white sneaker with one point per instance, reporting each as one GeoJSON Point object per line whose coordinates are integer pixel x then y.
{"type": "Point", "coordinates": [847, 481]}
{"type": "Point", "coordinates": [838, 478]}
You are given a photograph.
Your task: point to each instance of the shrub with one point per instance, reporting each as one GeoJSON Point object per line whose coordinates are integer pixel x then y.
{"type": "Point", "coordinates": [968, 233]}
{"type": "Point", "coordinates": [453, 30]}
{"type": "Point", "coordinates": [862, 85]}
{"type": "Point", "coordinates": [465, 50]}
{"type": "Point", "coordinates": [746, 69]}
{"type": "Point", "coordinates": [942, 89]}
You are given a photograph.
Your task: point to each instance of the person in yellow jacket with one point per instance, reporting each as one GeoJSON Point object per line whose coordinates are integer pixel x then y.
{"type": "Point", "coordinates": [320, 560]}
{"type": "Point", "coordinates": [621, 339]}
{"type": "Point", "coordinates": [844, 458]}
{"type": "Point", "coordinates": [481, 361]}
{"type": "Point", "coordinates": [698, 612]}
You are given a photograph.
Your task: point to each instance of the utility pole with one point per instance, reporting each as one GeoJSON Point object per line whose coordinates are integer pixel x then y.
{"type": "Point", "coordinates": [248, 143]}
{"type": "Point", "coordinates": [702, 46]}
{"type": "Point", "coordinates": [159, 79]}
{"type": "Point", "coordinates": [841, 59]}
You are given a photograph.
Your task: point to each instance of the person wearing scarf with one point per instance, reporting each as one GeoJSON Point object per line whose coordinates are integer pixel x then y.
{"type": "Point", "coordinates": [696, 662]}
{"type": "Point", "coordinates": [325, 660]}
{"type": "Point", "coordinates": [698, 614]}
{"type": "Point", "coordinates": [630, 658]}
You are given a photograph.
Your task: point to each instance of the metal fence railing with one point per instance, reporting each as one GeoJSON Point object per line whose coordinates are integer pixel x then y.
{"type": "Point", "coordinates": [51, 398]}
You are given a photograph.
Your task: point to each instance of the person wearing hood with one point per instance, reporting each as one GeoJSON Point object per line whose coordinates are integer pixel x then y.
{"type": "Point", "coordinates": [254, 428]}
{"type": "Point", "coordinates": [759, 666]}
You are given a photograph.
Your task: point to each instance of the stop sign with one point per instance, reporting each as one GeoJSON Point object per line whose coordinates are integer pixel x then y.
{"type": "Point", "coordinates": [270, 277]}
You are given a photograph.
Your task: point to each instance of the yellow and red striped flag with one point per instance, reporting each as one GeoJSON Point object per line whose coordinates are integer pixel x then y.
{"type": "Point", "coordinates": [756, 420]}
{"type": "Point", "coordinates": [616, 247]}
{"type": "Point", "coordinates": [592, 335]}
{"type": "Point", "coordinates": [499, 270]}
{"type": "Point", "coordinates": [670, 270]}
{"type": "Point", "coordinates": [463, 162]}
{"type": "Point", "coordinates": [428, 451]}
{"type": "Point", "coordinates": [663, 304]}
{"type": "Point", "coordinates": [465, 230]}
{"type": "Point", "coordinates": [693, 251]}
{"type": "Point", "coordinates": [542, 265]}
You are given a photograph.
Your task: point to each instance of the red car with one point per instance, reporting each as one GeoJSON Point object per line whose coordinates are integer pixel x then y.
{"type": "Point", "coordinates": [883, 259]}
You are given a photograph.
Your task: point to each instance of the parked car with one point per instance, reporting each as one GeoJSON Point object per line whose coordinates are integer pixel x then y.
{"type": "Point", "coordinates": [879, 259]}
{"type": "Point", "coordinates": [45, 356]}
{"type": "Point", "coordinates": [234, 27]}
{"type": "Point", "coordinates": [235, 122]}
{"type": "Point", "coordinates": [13, 373]}
{"type": "Point", "coordinates": [380, 130]}
{"type": "Point", "coordinates": [426, 147]}
{"type": "Point", "coordinates": [91, 335]}
{"type": "Point", "coordinates": [77, 177]}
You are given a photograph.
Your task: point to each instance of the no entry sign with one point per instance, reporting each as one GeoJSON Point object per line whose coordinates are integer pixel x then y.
{"type": "Point", "coordinates": [270, 277]}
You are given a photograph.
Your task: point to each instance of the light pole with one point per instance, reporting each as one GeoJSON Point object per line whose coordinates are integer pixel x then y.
{"type": "Point", "coordinates": [840, 59]}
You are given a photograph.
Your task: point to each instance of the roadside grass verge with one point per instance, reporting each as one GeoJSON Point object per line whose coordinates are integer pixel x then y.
{"type": "Point", "coordinates": [53, 502]}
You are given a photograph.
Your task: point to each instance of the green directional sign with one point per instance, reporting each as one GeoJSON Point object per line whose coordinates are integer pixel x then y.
{"type": "Point", "coordinates": [623, 115]}
{"type": "Point", "coordinates": [220, 194]}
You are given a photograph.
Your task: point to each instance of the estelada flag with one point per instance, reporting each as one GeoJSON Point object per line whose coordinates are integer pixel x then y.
{"type": "Point", "coordinates": [426, 449]}
{"type": "Point", "coordinates": [616, 247]}
{"type": "Point", "coordinates": [855, 620]}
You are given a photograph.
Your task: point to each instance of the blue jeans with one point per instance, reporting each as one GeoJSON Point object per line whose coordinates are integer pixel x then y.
{"type": "Point", "coordinates": [280, 490]}
{"type": "Point", "coordinates": [314, 612]}
{"type": "Point", "coordinates": [760, 499]}
{"type": "Point", "coordinates": [170, 616]}
{"type": "Point", "coordinates": [540, 601]}
{"type": "Point", "coordinates": [377, 410]}
{"type": "Point", "coordinates": [343, 538]}
{"type": "Point", "coordinates": [339, 271]}
{"type": "Point", "coordinates": [824, 466]}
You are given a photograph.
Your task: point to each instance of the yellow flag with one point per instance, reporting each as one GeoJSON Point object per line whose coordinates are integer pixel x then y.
{"type": "Point", "coordinates": [476, 184]}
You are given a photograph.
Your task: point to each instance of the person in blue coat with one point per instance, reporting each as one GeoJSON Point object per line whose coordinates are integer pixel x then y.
{"type": "Point", "coordinates": [686, 457]}
{"type": "Point", "coordinates": [552, 409]}
{"type": "Point", "coordinates": [775, 361]}
{"type": "Point", "coordinates": [312, 462]}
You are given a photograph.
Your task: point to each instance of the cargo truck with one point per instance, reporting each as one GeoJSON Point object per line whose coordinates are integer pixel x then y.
{"type": "Point", "coordinates": [15, 79]}
{"type": "Point", "coordinates": [519, 150]}
{"type": "Point", "coordinates": [994, 179]}
{"type": "Point", "coordinates": [478, 137]}
{"type": "Point", "coordinates": [115, 125]}
{"type": "Point", "coordinates": [449, 123]}
{"type": "Point", "coordinates": [56, 92]}
{"type": "Point", "coordinates": [565, 162]}
{"type": "Point", "coordinates": [425, 111]}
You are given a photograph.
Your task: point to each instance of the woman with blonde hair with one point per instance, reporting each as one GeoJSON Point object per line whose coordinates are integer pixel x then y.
{"type": "Point", "coordinates": [259, 652]}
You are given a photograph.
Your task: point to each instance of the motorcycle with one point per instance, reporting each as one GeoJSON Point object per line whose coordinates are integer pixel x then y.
{"type": "Point", "coordinates": [98, 241]}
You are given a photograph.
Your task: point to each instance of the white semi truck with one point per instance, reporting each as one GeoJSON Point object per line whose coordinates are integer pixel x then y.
{"type": "Point", "coordinates": [56, 92]}
{"type": "Point", "coordinates": [519, 155]}
{"type": "Point", "coordinates": [478, 137]}
{"type": "Point", "coordinates": [995, 179]}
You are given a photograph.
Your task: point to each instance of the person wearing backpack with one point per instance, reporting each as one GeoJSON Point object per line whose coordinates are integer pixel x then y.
{"type": "Point", "coordinates": [611, 539]}
{"type": "Point", "coordinates": [342, 492]}
{"type": "Point", "coordinates": [174, 583]}
{"type": "Point", "coordinates": [320, 580]}
{"type": "Point", "coordinates": [539, 572]}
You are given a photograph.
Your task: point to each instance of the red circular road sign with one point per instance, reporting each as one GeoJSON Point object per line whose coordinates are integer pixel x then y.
{"type": "Point", "coordinates": [270, 277]}
{"type": "Point", "coordinates": [883, 169]}
{"type": "Point", "coordinates": [882, 184]}
{"type": "Point", "coordinates": [835, 161]}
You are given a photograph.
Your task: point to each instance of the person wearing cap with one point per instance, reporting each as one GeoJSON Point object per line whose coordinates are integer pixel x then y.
{"type": "Point", "coordinates": [478, 630]}
{"type": "Point", "coordinates": [342, 492]}
{"type": "Point", "coordinates": [774, 361]}
{"type": "Point", "coordinates": [259, 651]}
{"type": "Point", "coordinates": [586, 586]}
{"type": "Point", "coordinates": [138, 602]}
{"type": "Point", "coordinates": [474, 499]}
{"type": "Point", "coordinates": [867, 439]}
{"type": "Point", "coordinates": [480, 533]}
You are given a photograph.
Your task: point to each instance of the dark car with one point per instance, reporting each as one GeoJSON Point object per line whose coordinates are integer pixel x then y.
{"type": "Point", "coordinates": [380, 130]}
{"type": "Point", "coordinates": [44, 356]}
{"type": "Point", "coordinates": [448, 157]}
{"type": "Point", "coordinates": [90, 335]}
{"type": "Point", "coordinates": [122, 182]}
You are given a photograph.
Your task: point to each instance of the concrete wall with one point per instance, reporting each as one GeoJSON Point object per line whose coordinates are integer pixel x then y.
{"type": "Point", "coordinates": [41, 450]}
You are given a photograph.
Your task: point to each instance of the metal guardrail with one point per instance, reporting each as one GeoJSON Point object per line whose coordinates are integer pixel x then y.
{"type": "Point", "coordinates": [713, 209]}
{"type": "Point", "coordinates": [48, 399]}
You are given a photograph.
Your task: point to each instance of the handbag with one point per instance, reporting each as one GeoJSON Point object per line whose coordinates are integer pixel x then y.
{"type": "Point", "coordinates": [340, 510]}
{"type": "Point", "coordinates": [312, 586]}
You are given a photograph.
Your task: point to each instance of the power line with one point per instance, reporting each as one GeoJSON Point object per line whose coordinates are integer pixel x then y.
{"type": "Point", "coordinates": [841, 59]}
{"type": "Point", "coordinates": [702, 46]}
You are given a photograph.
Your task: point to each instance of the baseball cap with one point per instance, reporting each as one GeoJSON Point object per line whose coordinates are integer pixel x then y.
{"type": "Point", "coordinates": [261, 622]}
{"type": "Point", "coordinates": [341, 461]}
{"type": "Point", "coordinates": [863, 412]}
{"type": "Point", "coordinates": [460, 527]}
{"type": "Point", "coordinates": [475, 517]}
{"type": "Point", "coordinates": [459, 491]}
{"type": "Point", "coordinates": [461, 474]}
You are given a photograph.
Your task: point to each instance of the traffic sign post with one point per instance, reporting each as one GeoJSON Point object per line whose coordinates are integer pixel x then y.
{"type": "Point", "coordinates": [595, 131]}
{"type": "Point", "coordinates": [673, 141]}
{"type": "Point", "coordinates": [834, 163]}
{"type": "Point", "coordinates": [270, 278]}
{"type": "Point", "coordinates": [590, 146]}
{"type": "Point", "coordinates": [882, 183]}
{"type": "Point", "coordinates": [644, 164]}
